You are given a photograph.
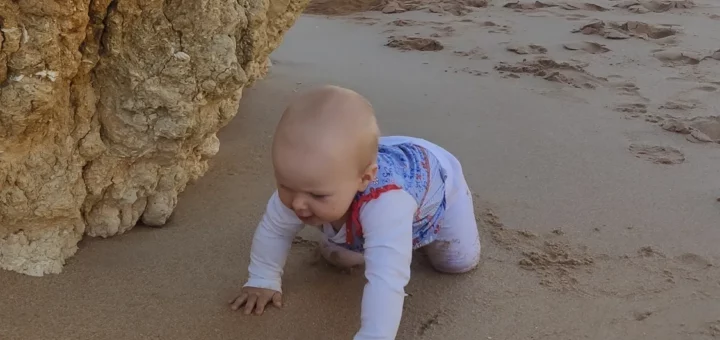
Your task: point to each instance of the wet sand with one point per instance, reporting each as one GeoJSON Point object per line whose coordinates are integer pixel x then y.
{"type": "Point", "coordinates": [598, 220]}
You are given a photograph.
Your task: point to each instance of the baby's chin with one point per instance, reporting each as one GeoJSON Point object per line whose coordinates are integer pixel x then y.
{"type": "Point", "coordinates": [312, 220]}
{"type": "Point", "coordinates": [317, 221]}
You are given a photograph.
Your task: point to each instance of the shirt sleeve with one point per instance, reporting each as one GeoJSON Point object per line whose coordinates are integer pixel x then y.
{"type": "Point", "coordinates": [387, 228]}
{"type": "Point", "coordinates": [271, 244]}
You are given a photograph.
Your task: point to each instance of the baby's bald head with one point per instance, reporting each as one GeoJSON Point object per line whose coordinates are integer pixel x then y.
{"type": "Point", "coordinates": [332, 120]}
{"type": "Point", "coordinates": [324, 152]}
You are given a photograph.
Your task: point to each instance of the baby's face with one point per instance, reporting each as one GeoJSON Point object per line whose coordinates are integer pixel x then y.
{"type": "Point", "coordinates": [318, 191]}
{"type": "Point", "coordinates": [322, 140]}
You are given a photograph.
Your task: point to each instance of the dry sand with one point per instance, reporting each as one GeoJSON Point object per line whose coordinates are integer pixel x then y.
{"type": "Point", "coordinates": [591, 154]}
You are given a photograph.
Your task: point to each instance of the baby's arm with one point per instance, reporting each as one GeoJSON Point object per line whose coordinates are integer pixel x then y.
{"type": "Point", "coordinates": [387, 228]}
{"type": "Point", "coordinates": [271, 244]}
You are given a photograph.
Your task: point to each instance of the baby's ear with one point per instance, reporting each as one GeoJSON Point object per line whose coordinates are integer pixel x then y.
{"type": "Point", "coordinates": [369, 175]}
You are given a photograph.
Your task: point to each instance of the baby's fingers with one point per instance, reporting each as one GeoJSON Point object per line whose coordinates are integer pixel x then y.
{"type": "Point", "coordinates": [250, 303]}
{"type": "Point", "coordinates": [277, 300]}
{"type": "Point", "coordinates": [238, 301]}
{"type": "Point", "coordinates": [262, 301]}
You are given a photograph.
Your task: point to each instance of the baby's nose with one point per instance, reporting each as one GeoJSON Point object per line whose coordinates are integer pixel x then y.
{"type": "Point", "coordinates": [300, 208]}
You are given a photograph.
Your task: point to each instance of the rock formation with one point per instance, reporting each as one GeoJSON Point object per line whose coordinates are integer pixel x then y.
{"type": "Point", "coordinates": [108, 108]}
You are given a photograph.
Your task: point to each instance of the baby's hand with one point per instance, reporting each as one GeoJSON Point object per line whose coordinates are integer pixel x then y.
{"type": "Point", "coordinates": [256, 298]}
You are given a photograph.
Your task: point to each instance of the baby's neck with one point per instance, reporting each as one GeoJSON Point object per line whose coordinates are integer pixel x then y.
{"type": "Point", "coordinates": [341, 222]}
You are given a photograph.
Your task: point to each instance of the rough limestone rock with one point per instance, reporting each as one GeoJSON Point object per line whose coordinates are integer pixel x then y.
{"type": "Point", "coordinates": [108, 108]}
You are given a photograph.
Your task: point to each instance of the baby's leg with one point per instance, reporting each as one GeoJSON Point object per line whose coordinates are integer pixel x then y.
{"type": "Point", "coordinates": [457, 247]}
{"type": "Point", "coordinates": [339, 256]}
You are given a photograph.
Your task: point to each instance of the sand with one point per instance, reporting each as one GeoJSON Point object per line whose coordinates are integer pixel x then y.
{"type": "Point", "coordinates": [592, 155]}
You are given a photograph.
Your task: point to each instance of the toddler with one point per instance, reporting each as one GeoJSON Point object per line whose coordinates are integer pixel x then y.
{"type": "Point", "coordinates": [376, 199]}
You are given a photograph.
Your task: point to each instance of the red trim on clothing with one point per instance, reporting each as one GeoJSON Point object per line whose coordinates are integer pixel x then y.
{"type": "Point", "coordinates": [354, 216]}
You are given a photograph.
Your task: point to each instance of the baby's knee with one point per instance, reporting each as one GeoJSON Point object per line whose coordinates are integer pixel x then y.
{"type": "Point", "coordinates": [450, 258]}
{"type": "Point", "coordinates": [341, 257]}
{"type": "Point", "coordinates": [456, 268]}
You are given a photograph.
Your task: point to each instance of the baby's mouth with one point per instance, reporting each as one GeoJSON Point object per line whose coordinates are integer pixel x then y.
{"type": "Point", "coordinates": [306, 218]}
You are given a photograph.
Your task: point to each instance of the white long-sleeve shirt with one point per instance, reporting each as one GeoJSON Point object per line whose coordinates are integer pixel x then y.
{"type": "Point", "coordinates": [387, 231]}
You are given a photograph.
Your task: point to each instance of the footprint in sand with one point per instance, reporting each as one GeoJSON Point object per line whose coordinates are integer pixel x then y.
{"type": "Point", "coordinates": [414, 43]}
{"type": "Point", "coordinates": [604, 30]}
{"type": "Point", "coordinates": [454, 8]}
{"type": "Point", "coordinates": [657, 6]}
{"type": "Point", "coordinates": [587, 46]}
{"type": "Point", "coordinates": [706, 88]}
{"type": "Point", "coordinates": [677, 57]}
{"type": "Point", "coordinates": [443, 31]}
{"type": "Point", "coordinates": [551, 256]}
{"type": "Point", "coordinates": [633, 110]}
{"type": "Point", "coordinates": [474, 54]}
{"type": "Point", "coordinates": [404, 22]}
{"type": "Point", "coordinates": [631, 113]}
{"type": "Point", "coordinates": [528, 6]}
{"type": "Point", "coordinates": [365, 20]}
{"type": "Point", "coordinates": [715, 55]}
{"type": "Point", "coordinates": [494, 28]}
{"type": "Point", "coordinates": [647, 31]}
{"type": "Point", "coordinates": [697, 129]}
{"type": "Point", "coordinates": [526, 49]}
{"type": "Point", "coordinates": [584, 6]}
{"type": "Point", "coordinates": [574, 17]}
{"type": "Point", "coordinates": [698, 96]}
{"type": "Point", "coordinates": [478, 3]}
{"type": "Point", "coordinates": [642, 315]}
{"type": "Point", "coordinates": [628, 89]}
{"type": "Point", "coordinates": [564, 266]}
{"type": "Point", "coordinates": [677, 106]}
{"type": "Point", "coordinates": [657, 154]}
{"type": "Point", "coordinates": [649, 272]}
{"type": "Point", "coordinates": [434, 320]}
{"type": "Point", "coordinates": [637, 29]}
{"type": "Point", "coordinates": [705, 129]}
{"type": "Point", "coordinates": [471, 71]}
{"type": "Point", "coordinates": [711, 329]}
{"type": "Point", "coordinates": [694, 261]}
{"type": "Point", "coordinates": [551, 70]}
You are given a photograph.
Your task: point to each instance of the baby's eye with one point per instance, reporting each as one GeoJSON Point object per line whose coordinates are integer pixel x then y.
{"type": "Point", "coordinates": [318, 197]}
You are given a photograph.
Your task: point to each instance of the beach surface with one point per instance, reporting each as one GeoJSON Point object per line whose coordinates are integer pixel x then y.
{"type": "Point", "coordinates": [587, 131]}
